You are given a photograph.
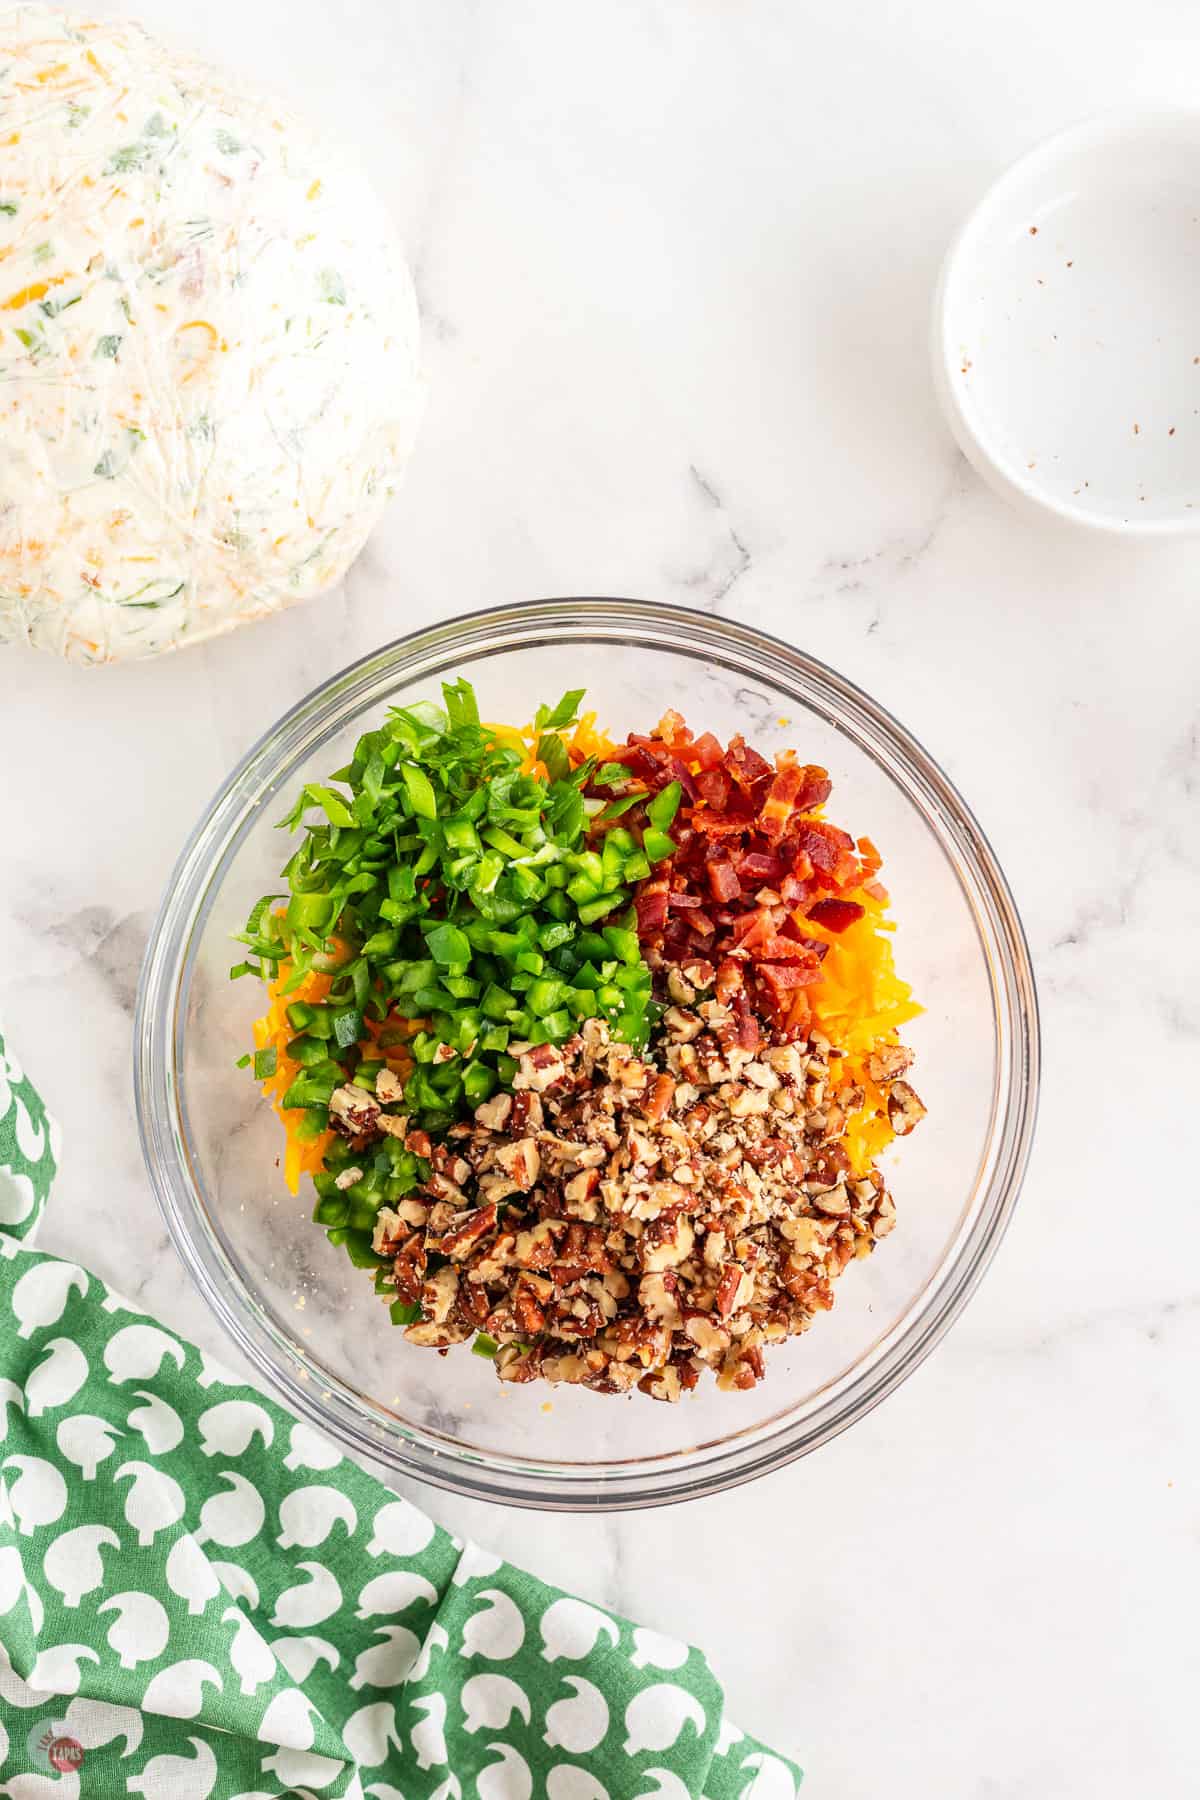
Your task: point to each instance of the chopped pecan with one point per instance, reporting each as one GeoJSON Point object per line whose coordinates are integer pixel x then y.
{"type": "Point", "coordinates": [540, 1068]}
{"type": "Point", "coordinates": [580, 1186]}
{"type": "Point", "coordinates": [661, 1216]}
{"type": "Point", "coordinates": [389, 1089]}
{"type": "Point", "coordinates": [734, 1290]}
{"type": "Point", "coordinates": [748, 1101]}
{"type": "Point", "coordinates": [885, 1219]}
{"type": "Point", "coordinates": [437, 1337]}
{"type": "Point", "coordinates": [682, 1026]}
{"type": "Point", "coordinates": [656, 1297]}
{"type": "Point", "coordinates": [493, 1113]}
{"type": "Point", "coordinates": [905, 1110]}
{"type": "Point", "coordinates": [391, 1230]}
{"type": "Point", "coordinates": [467, 1230]}
{"type": "Point", "coordinates": [528, 1313]}
{"type": "Point", "coordinates": [834, 1200]}
{"type": "Point", "coordinates": [440, 1187]}
{"type": "Point", "coordinates": [515, 1364]}
{"type": "Point", "coordinates": [408, 1270]}
{"type": "Point", "coordinates": [667, 1243]}
{"type": "Point", "coordinates": [521, 1162]}
{"type": "Point", "coordinates": [889, 1061]}
{"type": "Point", "coordinates": [700, 973]}
{"type": "Point", "coordinates": [527, 1114]}
{"type": "Point", "coordinates": [662, 1384]}
{"type": "Point", "coordinates": [537, 1248]}
{"type": "Point", "coordinates": [709, 1337]}
{"type": "Point", "coordinates": [353, 1112]}
{"type": "Point", "coordinates": [659, 1103]}
{"type": "Point", "coordinates": [680, 988]}
{"type": "Point", "coordinates": [439, 1294]}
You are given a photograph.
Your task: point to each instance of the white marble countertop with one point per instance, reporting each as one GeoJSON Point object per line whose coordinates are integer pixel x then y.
{"type": "Point", "coordinates": [675, 263]}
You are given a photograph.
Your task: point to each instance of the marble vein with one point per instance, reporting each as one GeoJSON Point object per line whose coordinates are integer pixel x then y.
{"type": "Point", "coordinates": [729, 558]}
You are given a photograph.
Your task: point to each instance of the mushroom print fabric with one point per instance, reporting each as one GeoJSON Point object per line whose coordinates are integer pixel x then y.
{"type": "Point", "coordinates": [202, 1599]}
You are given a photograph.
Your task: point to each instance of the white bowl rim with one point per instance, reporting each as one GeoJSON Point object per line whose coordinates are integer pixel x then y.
{"type": "Point", "coordinates": [1001, 471]}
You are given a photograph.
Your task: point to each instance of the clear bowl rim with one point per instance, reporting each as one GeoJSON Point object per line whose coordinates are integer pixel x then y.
{"type": "Point", "coordinates": [162, 1005]}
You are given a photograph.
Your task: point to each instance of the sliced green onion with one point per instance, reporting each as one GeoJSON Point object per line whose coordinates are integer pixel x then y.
{"type": "Point", "coordinates": [557, 717]}
{"type": "Point", "coordinates": [421, 796]}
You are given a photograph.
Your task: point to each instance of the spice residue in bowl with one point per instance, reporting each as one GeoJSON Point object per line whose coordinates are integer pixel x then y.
{"type": "Point", "coordinates": [590, 1049]}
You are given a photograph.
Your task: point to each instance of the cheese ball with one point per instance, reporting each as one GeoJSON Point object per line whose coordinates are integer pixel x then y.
{"type": "Point", "coordinates": [209, 368]}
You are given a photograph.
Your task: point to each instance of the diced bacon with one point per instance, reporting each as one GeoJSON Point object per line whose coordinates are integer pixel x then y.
{"type": "Point", "coordinates": [781, 978]}
{"type": "Point", "coordinates": [651, 905]}
{"type": "Point", "coordinates": [784, 949]}
{"type": "Point", "coordinates": [730, 978]}
{"type": "Point", "coordinates": [639, 760]}
{"type": "Point", "coordinates": [745, 764]}
{"type": "Point", "coordinates": [836, 915]}
{"type": "Point", "coordinates": [677, 938]}
{"type": "Point", "coordinates": [677, 770]}
{"type": "Point", "coordinates": [748, 1034]}
{"type": "Point", "coordinates": [707, 751]}
{"type": "Point", "coordinates": [721, 824]}
{"type": "Point", "coordinates": [794, 892]}
{"type": "Point", "coordinates": [824, 844]}
{"type": "Point", "coordinates": [713, 787]}
{"type": "Point", "coordinates": [753, 874]}
{"type": "Point", "coordinates": [755, 865]}
{"type": "Point", "coordinates": [723, 881]}
{"type": "Point", "coordinates": [816, 789]}
{"type": "Point", "coordinates": [753, 928]}
{"type": "Point", "coordinates": [793, 927]}
{"type": "Point", "coordinates": [780, 802]}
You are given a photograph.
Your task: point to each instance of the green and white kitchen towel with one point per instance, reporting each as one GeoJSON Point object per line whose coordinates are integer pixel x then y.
{"type": "Point", "coordinates": [201, 1599]}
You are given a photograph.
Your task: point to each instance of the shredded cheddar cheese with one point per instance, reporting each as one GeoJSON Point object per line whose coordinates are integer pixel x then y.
{"type": "Point", "coordinates": [304, 1155]}
{"type": "Point", "coordinates": [273, 1030]}
{"type": "Point", "coordinates": [859, 1004]}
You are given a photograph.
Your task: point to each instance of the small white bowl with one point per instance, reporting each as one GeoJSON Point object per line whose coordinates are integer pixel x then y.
{"type": "Point", "coordinates": [1066, 332]}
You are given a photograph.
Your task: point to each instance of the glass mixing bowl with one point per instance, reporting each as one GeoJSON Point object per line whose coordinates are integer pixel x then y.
{"type": "Point", "coordinates": [311, 1322]}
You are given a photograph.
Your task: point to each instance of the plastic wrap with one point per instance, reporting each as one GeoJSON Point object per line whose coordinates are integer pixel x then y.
{"type": "Point", "coordinates": [208, 347]}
